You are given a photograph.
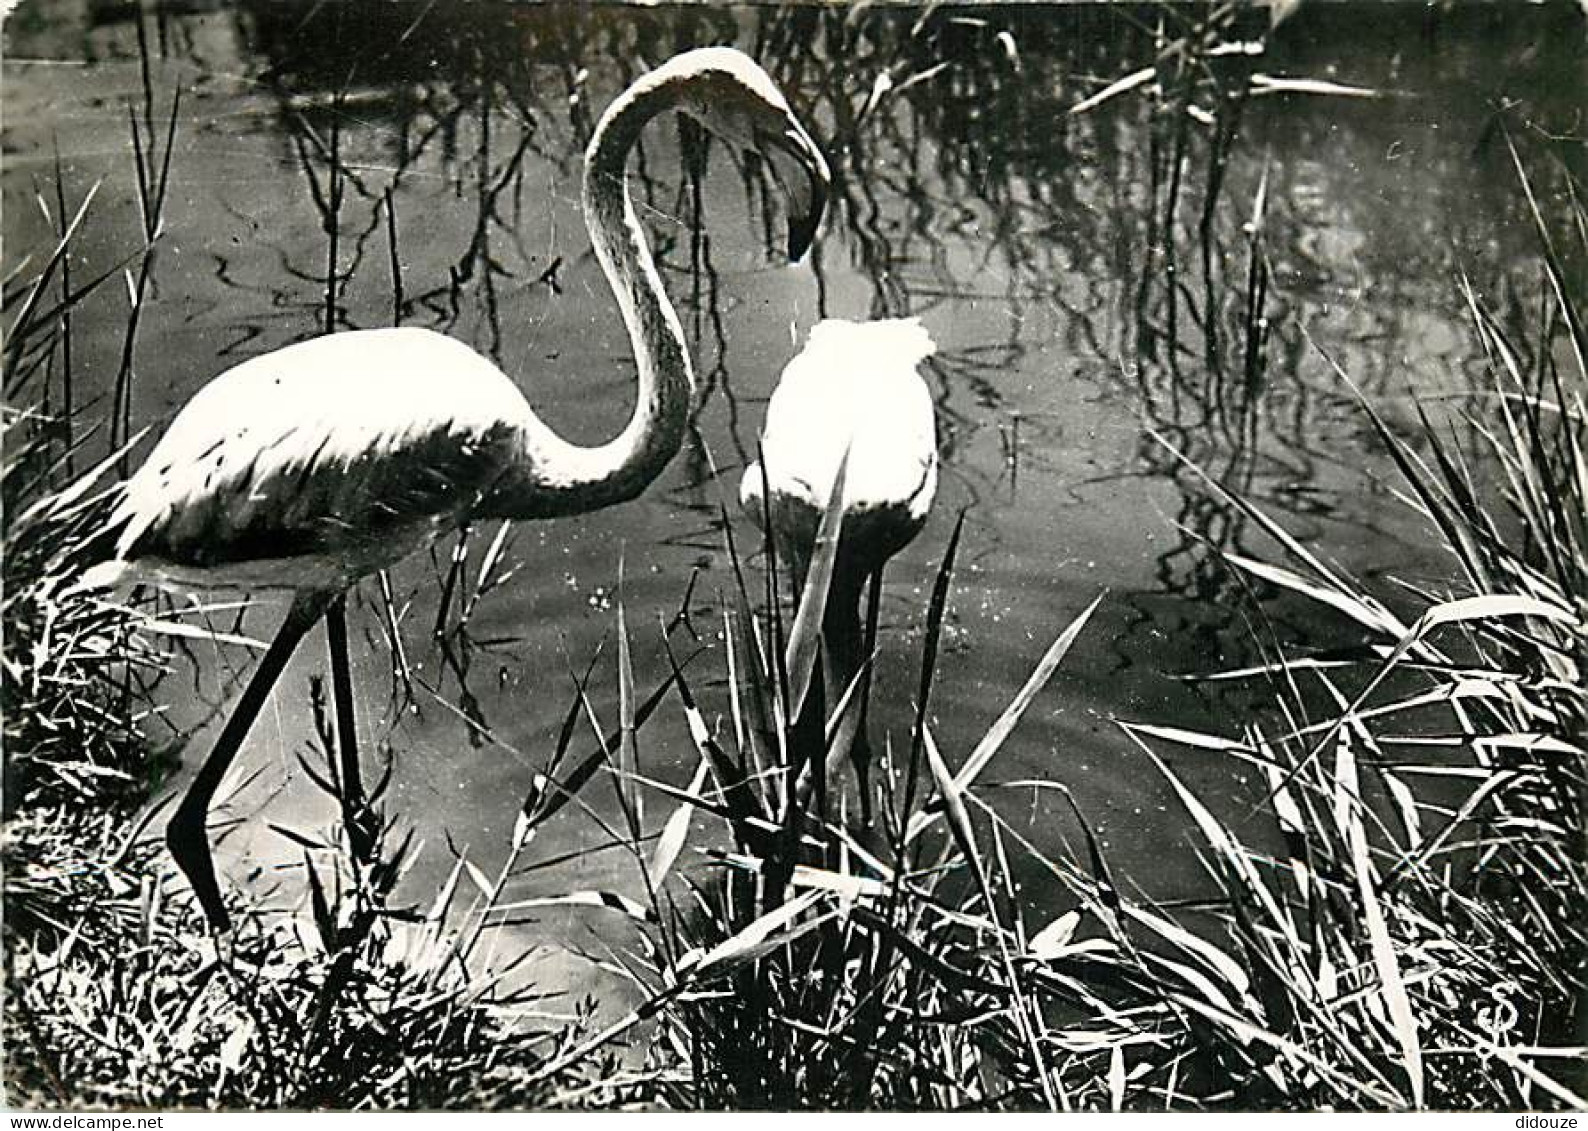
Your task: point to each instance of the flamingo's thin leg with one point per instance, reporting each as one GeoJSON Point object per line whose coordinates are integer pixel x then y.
{"type": "Point", "coordinates": [186, 834]}
{"type": "Point", "coordinates": [843, 656]}
{"type": "Point", "coordinates": [860, 752]}
{"type": "Point", "coordinates": [352, 799]}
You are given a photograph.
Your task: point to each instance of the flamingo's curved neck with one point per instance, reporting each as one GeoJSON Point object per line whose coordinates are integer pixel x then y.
{"type": "Point", "coordinates": [559, 477]}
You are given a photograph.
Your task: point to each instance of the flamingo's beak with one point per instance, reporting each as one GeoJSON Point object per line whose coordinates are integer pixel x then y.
{"type": "Point", "coordinates": [802, 173]}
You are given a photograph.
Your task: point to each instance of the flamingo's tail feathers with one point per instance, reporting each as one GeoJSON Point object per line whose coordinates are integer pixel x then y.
{"type": "Point", "coordinates": [914, 338]}
{"type": "Point", "coordinates": [101, 575]}
{"type": "Point", "coordinates": [70, 539]}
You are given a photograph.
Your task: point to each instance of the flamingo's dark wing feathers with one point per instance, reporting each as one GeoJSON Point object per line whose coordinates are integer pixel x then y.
{"type": "Point", "coordinates": [325, 503]}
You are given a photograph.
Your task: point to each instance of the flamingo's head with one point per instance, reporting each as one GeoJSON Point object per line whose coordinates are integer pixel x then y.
{"type": "Point", "coordinates": [730, 95]}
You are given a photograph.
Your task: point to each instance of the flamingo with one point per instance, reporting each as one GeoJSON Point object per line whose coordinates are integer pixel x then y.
{"type": "Point", "coordinates": [856, 387]}
{"type": "Point", "coordinates": [310, 467]}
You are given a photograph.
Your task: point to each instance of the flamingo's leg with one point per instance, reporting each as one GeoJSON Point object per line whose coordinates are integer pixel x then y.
{"type": "Point", "coordinates": [843, 657]}
{"type": "Point", "coordinates": [186, 834]}
{"type": "Point", "coordinates": [860, 752]}
{"type": "Point", "coordinates": [352, 799]}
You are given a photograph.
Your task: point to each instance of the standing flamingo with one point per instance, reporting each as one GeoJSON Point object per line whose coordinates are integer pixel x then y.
{"type": "Point", "coordinates": [320, 463]}
{"type": "Point", "coordinates": [856, 388]}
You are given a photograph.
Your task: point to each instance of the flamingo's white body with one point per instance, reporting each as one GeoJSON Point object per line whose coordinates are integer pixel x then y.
{"type": "Point", "coordinates": [317, 464]}
{"type": "Point", "coordinates": [856, 387]}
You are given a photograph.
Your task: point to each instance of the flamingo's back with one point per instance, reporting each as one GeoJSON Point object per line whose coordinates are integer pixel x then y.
{"type": "Point", "coordinates": [856, 386]}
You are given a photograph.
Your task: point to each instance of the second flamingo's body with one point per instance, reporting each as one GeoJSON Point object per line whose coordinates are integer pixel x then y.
{"type": "Point", "coordinates": [854, 391]}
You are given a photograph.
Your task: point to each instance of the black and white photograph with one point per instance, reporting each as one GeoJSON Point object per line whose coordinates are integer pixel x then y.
{"type": "Point", "coordinates": [794, 556]}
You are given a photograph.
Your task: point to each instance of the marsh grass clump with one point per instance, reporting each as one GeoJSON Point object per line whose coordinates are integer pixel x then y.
{"type": "Point", "coordinates": [824, 963]}
{"type": "Point", "coordinates": [1410, 892]}
{"type": "Point", "coordinates": [72, 669]}
{"type": "Point", "coordinates": [331, 992]}
{"type": "Point", "coordinates": [75, 670]}
{"type": "Point", "coordinates": [811, 961]}
{"type": "Point", "coordinates": [75, 674]}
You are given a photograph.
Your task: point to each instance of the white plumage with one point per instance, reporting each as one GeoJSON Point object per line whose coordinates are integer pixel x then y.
{"type": "Point", "coordinates": [856, 386]}
{"type": "Point", "coordinates": [316, 464]}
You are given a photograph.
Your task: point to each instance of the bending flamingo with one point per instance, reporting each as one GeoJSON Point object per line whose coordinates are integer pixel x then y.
{"type": "Point", "coordinates": [855, 387]}
{"type": "Point", "coordinates": [320, 463]}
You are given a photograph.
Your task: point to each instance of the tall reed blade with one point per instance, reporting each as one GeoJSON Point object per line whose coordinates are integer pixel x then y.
{"type": "Point", "coordinates": [805, 637]}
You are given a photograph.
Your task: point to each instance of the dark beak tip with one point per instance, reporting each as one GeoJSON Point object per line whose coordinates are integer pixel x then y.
{"type": "Point", "coordinates": [808, 195]}
{"type": "Point", "coordinates": [802, 228]}
{"type": "Point", "coordinates": [801, 236]}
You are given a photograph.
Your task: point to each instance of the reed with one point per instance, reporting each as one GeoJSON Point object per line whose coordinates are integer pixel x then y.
{"type": "Point", "coordinates": [152, 163]}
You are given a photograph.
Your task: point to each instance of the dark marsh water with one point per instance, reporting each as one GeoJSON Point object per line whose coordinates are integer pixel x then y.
{"type": "Point", "coordinates": [1088, 279]}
